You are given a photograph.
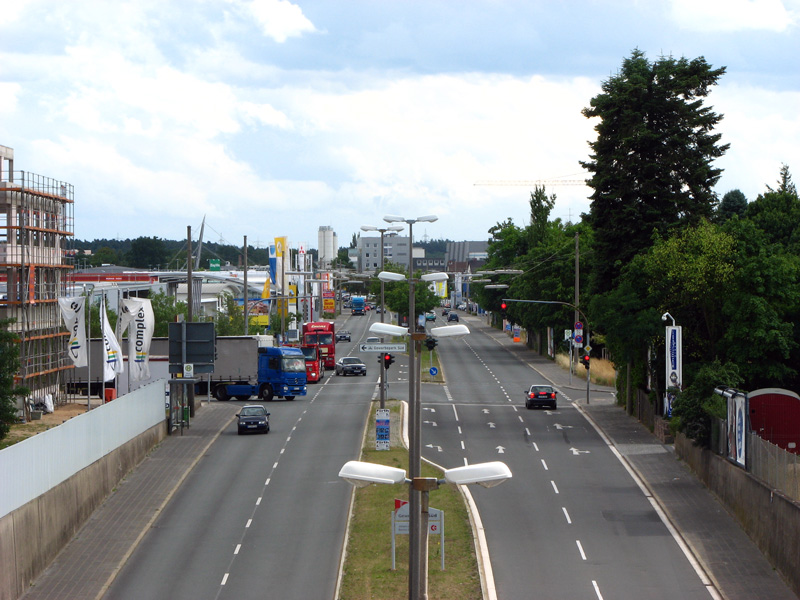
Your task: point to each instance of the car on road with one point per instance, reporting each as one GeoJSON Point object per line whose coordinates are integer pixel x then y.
{"type": "Point", "coordinates": [452, 317]}
{"type": "Point", "coordinates": [253, 418]}
{"type": "Point", "coordinates": [350, 365]}
{"type": "Point", "coordinates": [430, 316]}
{"type": "Point", "coordinates": [373, 340]}
{"type": "Point", "coordinates": [445, 312]}
{"type": "Point", "coordinates": [541, 395]}
{"type": "Point", "coordinates": [343, 336]}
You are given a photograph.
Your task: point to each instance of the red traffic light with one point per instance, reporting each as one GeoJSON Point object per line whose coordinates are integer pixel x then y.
{"type": "Point", "coordinates": [388, 359]}
{"type": "Point", "coordinates": [503, 306]}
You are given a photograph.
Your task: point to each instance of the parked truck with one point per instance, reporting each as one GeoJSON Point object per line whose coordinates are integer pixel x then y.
{"type": "Point", "coordinates": [246, 367]}
{"type": "Point", "coordinates": [358, 305]}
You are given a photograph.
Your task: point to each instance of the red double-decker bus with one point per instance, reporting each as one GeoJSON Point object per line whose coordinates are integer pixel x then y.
{"type": "Point", "coordinates": [321, 334]}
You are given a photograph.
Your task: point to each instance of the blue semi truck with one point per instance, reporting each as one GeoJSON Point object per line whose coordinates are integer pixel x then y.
{"type": "Point", "coordinates": [359, 305]}
{"type": "Point", "coordinates": [249, 369]}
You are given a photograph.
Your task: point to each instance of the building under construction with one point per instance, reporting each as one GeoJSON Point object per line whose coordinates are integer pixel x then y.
{"type": "Point", "coordinates": [36, 234]}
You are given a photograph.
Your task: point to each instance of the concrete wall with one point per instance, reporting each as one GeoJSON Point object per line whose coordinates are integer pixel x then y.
{"type": "Point", "coordinates": [32, 535]}
{"type": "Point", "coordinates": [770, 519]}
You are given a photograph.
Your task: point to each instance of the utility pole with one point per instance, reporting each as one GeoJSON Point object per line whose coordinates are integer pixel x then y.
{"type": "Point", "coordinates": [246, 307]}
{"type": "Point", "coordinates": [189, 305]}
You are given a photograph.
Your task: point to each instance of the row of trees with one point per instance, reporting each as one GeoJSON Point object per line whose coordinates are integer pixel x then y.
{"type": "Point", "coordinates": [657, 239]}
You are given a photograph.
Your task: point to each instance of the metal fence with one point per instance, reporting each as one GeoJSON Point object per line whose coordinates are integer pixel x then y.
{"type": "Point", "coordinates": [775, 466]}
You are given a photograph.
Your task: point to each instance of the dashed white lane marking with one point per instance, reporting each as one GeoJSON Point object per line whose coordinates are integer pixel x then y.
{"type": "Point", "coordinates": [566, 515]}
{"type": "Point", "coordinates": [583, 554]}
{"type": "Point", "coordinates": [555, 487]}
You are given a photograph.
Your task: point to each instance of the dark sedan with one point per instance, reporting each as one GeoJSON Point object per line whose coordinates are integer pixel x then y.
{"type": "Point", "coordinates": [350, 365]}
{"type": "Point", "coordinates": [540, 395]}
{"type": "Point", "coordinates": [253, 417]}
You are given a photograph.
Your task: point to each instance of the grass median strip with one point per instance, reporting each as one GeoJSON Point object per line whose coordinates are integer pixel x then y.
{"type": "Point", "coordinates": [368, 570]}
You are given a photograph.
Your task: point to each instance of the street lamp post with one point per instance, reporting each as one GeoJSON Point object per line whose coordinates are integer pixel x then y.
{"type": "Point", "coordinates": [415, 445]}
{"type": "Point", "coordinates": [382, 231]}
{"type": "Point", "coordinates": [421, 486]}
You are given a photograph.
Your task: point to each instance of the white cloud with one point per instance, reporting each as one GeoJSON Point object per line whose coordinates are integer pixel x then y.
{"type": "Point", "coordinates": [733, 15]}
{"type": "Point", "coordinates": [280, 19]}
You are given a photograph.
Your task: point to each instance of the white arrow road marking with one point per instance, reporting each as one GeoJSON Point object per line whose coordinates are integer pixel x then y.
{"type": "Point", "coordinates": [491, 425]}
{"type": "Point", "coordinates": [501, 450]}
{"type": "Point", "coordinates": [559, 426]}
{"type": "Point", "coordinates": [575, 451]}
{"type": "Point", "coordinates": [439, 448]}
{"type": "Point", "coordinates": [431, 423]}
{"type": "Point", "coordinates": [430, 409]}
{"type": "Point", "coordinates": [486, 411]}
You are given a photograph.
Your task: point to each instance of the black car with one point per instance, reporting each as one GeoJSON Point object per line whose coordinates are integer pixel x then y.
{"type": "Point", "coordinates": [540, 395]}
{"type": "Point", "coordinates": [343, 336]}
{"type": "Point", "coordinates": [452, 317]}
{"type": "Point", "coordinates": [253, 417]}
{"type": "Point", "coordinates": [350, 365]}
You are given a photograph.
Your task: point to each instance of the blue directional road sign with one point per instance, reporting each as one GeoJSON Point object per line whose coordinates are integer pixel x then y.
{"type": "Point", "coordinates": [433, 371]}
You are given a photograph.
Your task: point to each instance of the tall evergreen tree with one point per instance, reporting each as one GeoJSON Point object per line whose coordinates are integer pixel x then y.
{"type": "Point", "coordinates": [651, 163]}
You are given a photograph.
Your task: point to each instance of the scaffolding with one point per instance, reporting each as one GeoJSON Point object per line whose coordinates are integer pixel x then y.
{"type": "Point", "coordinates": [36, 239]}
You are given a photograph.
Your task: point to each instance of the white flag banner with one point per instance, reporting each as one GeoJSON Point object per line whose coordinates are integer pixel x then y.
{"type": "Point", "coordinates": [73, 311]}
{"type": "Point", "coordinates": [112, 361]}
{"type": "Point", "coordinates": [137, 316]}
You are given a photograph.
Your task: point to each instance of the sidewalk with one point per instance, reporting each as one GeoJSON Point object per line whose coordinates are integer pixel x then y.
{"type": "Point", "coordinates": [737, 568]}
{"type": "Point", "coordinates": [87, 566]}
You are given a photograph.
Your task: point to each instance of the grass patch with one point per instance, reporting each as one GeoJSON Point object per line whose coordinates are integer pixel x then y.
{"type": "Point", "coordinates": [368, 565]}
{"type": "Point", "coordinates": [603, 371]}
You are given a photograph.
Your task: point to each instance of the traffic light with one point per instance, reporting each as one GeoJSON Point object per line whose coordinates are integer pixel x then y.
{"type": "Point", "coordinates": [430, 343]}
{"type": "Point", "coordinates": [503, 307]}
{"type": "Point", "coordinates": [388, 359]}
{"type": "Point", "coordinates": [585, 360]}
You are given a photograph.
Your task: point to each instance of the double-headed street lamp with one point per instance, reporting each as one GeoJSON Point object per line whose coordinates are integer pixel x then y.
{"type": "Point", "coordinates": [382, 230]}
{"type": "Point", "coordinates": [360, 473]}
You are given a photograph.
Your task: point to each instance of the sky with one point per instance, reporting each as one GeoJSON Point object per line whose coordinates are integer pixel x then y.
{"type": "Point", "coordinates": [275, 117]}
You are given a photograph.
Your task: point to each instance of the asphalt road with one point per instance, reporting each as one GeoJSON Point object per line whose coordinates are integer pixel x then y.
{"type": "Point", "coordinates": [571, 523]}
{"type": "Point", "coordinates": [265, 516]}
{"type": "Point", "coordinates": [262, 515]}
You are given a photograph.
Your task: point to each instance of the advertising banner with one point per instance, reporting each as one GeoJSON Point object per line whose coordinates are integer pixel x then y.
{"type": "Point", "coordinates": [137, 315]}
{"type": "Point", "coordinates": [737, 427]}
{"type": "Point", "coordinates": [112, 361]}
{"type": "Point", "coordinates": [674, 358]}
{"type": "Point", "coordinates": [73, 311]}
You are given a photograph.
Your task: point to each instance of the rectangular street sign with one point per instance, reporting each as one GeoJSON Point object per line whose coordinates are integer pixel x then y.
{"type": "Point", "coordinates": [381, 347]}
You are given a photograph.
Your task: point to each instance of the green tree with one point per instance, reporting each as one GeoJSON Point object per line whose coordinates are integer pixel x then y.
{"type": "Point", "coordinates": [733, 203]}
{"type": "Point", "coordinates": [777, 213]}
{"type": "Point", "coordinates": [146, 253]}
{"type": "Point", "coordinates": [697, 403]}
{"type": "Point", "coordinates": [104, 256]}
{"type": "Point", "coordinates": [166, 311]}
{"type": "Point", "coordinates": [342, 260]}
{"type": "Point", "coordinates": [651, 163]}
{"type": "Point", "coordinates": [230, 318]}
{"type": "Point", "coordinates": [9, 390]}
